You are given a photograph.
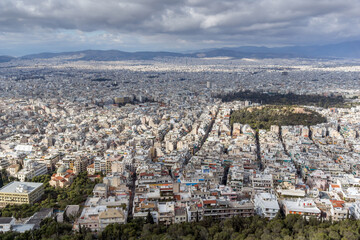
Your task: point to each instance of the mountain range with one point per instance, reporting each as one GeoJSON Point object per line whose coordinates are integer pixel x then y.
{"type": "Point", "coordinates": [340, 50]}
{"type": "Point", "coordinates": [6, 59]}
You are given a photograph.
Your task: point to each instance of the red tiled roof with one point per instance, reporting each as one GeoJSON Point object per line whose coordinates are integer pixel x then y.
{"type": "Point", "coordinates": [146, 174]}
{"type": "Point", "coordinates": [94, 176]}
{"type": "Point", "coordinates": [337, 203]}
{"type": "Point", "coordinates": [209, 201]}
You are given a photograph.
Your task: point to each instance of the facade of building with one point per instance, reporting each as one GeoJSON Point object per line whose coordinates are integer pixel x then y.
{"type": "Point", "coordinates": [21, 193]}
{"type": "Point", "coordinates": [13, 169]}
{"type": "Point", "coordinates": [110, 216]}
{"type": "Point", "coordinates": [305, 207]}
{"type": "Point", "coordinates": [266, 205]}
{"type": "Point", "coordinates": [100, 190]}
{"type": "Point", "coordinates": [355, 210]}
{"type": "Point", "coordinates": [91, 169]}
{"type": "Point", "coordinates": [262, 182]}
{"type": "Point", "coordinates": [338, 210]}
{"type": "Point", "coordinates": [225, 209]}
{"type": "Point", "coordinates": [31, 169]}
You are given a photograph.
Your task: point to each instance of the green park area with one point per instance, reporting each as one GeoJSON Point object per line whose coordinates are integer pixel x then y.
{"type": "Point", "coordinates": [263, 117]}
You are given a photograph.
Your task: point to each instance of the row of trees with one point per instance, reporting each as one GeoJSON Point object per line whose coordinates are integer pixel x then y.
{"type": "Point", "coordinates": [264, 117]}
{"type": "Point", "coordinates": [290, 227]}
{"type": "Point", "coordinates": [57, 198]}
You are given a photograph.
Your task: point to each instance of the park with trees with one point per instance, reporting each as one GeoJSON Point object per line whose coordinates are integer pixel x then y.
{"type": "Point", "coordinates": [281, 115]}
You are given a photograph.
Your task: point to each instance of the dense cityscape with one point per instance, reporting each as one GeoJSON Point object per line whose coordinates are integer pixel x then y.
{"type": "Point", "coordinates": [93, 144]}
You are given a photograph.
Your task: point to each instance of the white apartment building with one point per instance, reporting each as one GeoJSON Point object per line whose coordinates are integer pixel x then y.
{"type": "Point", "coordinates": [262, 182]}
{"type": "Point", "coordinates": [266, 205]}
{"type": "Point", "coordinates": [31, 169]}
{"type": "Point", "coordinates": [355, 210]}
{"type": "Point", "coordinates": [305, 207]}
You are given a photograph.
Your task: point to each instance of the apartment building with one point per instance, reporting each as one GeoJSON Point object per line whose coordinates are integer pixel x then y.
{"type": "Point", "coordinates": [21, 193]}
{"type": "Point", "coordinates": [266, 205]}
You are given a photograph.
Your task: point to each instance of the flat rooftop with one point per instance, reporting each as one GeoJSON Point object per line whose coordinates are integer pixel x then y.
{"type": "Point", "coordinates": [20, 187]}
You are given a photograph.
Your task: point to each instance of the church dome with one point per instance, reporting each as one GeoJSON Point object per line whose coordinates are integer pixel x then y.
{"type": "Point", "coordinates": [61, 169]}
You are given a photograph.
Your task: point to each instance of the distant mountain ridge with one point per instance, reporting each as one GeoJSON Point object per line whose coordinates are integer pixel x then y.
{"type": "Point", "coordinates": [340, 50]}
{"type": "Point", "coordinates": [105, 55]}
{"type": "Point", "coordinates": [6, 59]}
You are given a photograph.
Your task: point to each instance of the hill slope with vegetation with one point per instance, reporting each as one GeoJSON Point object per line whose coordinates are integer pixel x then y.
{"type": "Point", "coordinates": [251, 228]}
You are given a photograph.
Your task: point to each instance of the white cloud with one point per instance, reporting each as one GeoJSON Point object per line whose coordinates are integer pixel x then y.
{"type": "Point", "coordinates": [171, 22]}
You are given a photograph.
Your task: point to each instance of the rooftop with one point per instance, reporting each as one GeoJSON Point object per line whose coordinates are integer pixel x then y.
{"type": "Point", "coordinates": [20, 187]}
{"type": "Point", "coordinates": [6, 220]}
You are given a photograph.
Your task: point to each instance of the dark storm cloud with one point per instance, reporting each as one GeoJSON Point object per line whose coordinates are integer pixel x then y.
{"type": "Point", "coordinates": [225, 21]}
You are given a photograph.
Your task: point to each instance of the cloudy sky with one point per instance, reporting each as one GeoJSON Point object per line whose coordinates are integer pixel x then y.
{"type": "Point", "coordinates": [31, 26]}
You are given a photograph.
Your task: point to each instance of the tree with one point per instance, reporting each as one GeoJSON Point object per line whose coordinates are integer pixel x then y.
{"type": "Point", "coordinates": [289, 227]}
{"type": "Point", "coordinates": [80, 229]}
{"type": "Point", "coordinates": [1, 180]}
{"type": "Point", "coordinates": [149, 218]}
